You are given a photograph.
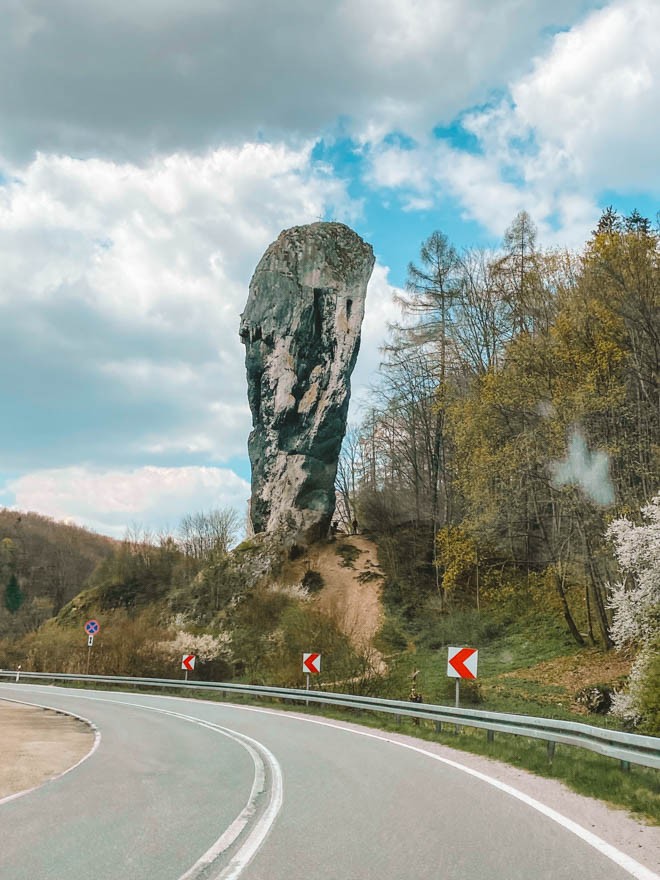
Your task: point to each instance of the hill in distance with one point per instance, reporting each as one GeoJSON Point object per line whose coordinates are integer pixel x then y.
{"type": "Point", "coordinates": [51, 562]}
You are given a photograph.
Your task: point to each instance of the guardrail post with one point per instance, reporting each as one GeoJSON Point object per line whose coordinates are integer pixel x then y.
{"type": "Point", "coordinates": [490, 736]}
{"type": "Point", "coordinates": [438, 726]}
{"type": "Point", "coordinates": [551, 751]}
{"type": "Point", "coordinates": [625, 766]}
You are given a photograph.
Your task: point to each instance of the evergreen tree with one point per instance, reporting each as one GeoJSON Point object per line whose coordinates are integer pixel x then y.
{"type": "Point", "coordinates": [609, 223]}
{"type": "Point", "coordinates": [637, 224]}
{"type": "Point", "coordinates": [14, 597]}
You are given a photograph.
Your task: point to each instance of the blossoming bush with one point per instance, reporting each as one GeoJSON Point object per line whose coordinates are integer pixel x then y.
{"type": "Point", "coordinates": [635, 602]}
{"type": "Point", "coordinates": [205, 647]}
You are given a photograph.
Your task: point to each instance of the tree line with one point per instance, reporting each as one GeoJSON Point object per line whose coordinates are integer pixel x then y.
{"type": "Point", "coordinates": [45, 564]}
{"type": "Point", "coordinates": [517, 413]}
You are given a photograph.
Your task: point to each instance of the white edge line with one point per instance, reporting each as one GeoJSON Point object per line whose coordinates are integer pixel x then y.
{"type": "Point", "coordinates": [261, 830]}
{"type": "Point", "coordinates": [95, 745]}
{"type": "Point", "coordinates": [231, 833]}
{"type": "Point", "coordinates": [633, 867]}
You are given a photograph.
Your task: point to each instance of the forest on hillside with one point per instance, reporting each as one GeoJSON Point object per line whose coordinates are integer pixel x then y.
{"type": "Point", "coordinates": [517, 416]}
{"type": "Point", "coordinates": [43, 565]}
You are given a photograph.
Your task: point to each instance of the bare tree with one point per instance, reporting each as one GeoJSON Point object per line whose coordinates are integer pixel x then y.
{"type": "Point", "coordinates": [204, 534]}
{"type": "Point", "coordinates": [481, 326]}
{"type": "Point", "coordinates": [350, 470]}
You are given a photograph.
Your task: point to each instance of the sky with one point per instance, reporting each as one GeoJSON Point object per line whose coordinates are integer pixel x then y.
{"type": "Point", "coordinates": [150, 151]}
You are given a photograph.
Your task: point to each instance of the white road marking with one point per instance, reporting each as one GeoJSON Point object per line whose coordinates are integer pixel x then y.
{"type": "Point", "coordinates": [630, 865]}
{"type": "Point", "coordinates": [256, 750]}
{"type": "Point", "coordinates": [259, 832]}
{"type": "Point", "coordinates": [97, 742]}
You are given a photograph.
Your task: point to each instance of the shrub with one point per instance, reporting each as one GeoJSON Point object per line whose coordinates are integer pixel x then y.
{"type": "Point", "coordinates": [391, 637]}
{"type": "Point", "coordinates": [348, 553]}
{"type": "Point", "coordinates": [458, 628]}
{"type": "Point", "coordinates": [366, 577]}
{"type": "Point", "coordinates": [649, 691]}
{"type": "Point", "coordinates": [596, 699]}
{"type": "Point", "coordinates": [313, 581]}
{"type": "Point", "coordinates": [635, 601]}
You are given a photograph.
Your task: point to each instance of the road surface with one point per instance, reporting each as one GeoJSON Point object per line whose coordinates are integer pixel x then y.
{"type": "Point", "coordinates": [189, 789]}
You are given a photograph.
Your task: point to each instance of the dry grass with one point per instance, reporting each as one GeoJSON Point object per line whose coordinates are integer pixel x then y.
{"type": "Point", "coordinates": [564, 676]}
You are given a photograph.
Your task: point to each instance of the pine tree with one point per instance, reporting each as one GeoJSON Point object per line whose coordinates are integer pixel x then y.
{"type": "Point", "coordinates": [637, 224]}
{"type": "Point", "coordinates": [14, 597]}
{"type": "Point", "coordinates": [609, 223]}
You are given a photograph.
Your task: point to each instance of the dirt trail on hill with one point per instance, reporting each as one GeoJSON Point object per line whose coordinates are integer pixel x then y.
{"type": "Point", "coordinates": [355, 603]}
{"type": "Point", "coordinates": [351, 593]}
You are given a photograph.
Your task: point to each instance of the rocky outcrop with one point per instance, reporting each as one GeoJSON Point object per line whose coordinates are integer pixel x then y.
{"type": "Point", "coordinates": [301, 330]}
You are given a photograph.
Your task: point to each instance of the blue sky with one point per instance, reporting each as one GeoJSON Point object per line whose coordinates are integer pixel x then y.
{"type": "Point", "coordinates": [150, 150]}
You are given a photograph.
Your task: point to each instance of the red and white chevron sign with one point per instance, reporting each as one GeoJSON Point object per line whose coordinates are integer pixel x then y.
{"type": "Point", "coordinates": [462, 662]}
{"type": "Point", "coordinates": [312, 663]}
{"type": "Point", "coordinates": [188, 662]}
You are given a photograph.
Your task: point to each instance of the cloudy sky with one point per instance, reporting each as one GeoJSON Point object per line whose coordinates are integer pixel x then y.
{"type": "Point", "coordinates": [150, 150]}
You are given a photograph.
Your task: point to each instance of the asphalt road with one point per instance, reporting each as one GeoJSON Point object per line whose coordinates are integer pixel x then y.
{"type": "Point", "coordinates": [269, 796]}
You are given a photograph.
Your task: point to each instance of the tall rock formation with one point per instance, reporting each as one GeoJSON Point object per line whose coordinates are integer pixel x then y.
{"type": "Point", "coordinates": [301, 330]}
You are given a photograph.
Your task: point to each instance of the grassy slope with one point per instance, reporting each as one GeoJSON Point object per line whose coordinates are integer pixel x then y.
{"type": "Point", "coordinates": [531, 667]}
{"type": "Point", "coordinates": [528, 664]}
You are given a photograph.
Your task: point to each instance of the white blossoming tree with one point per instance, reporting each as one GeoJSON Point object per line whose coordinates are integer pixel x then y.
{"type": "Point", "coordinates": [205, 647]}
{"type": "Point", "coordinates": [635, 601]}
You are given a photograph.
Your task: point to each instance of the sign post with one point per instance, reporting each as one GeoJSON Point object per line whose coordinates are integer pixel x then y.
{"type": "Point", "coordinates": [461, 663]}
{"type": "Point", "coordinates": [91, 628]}
{"type": "Point", "coordinates": [188, 663]}
{"type": "Point", "coordinates": [311, 665]}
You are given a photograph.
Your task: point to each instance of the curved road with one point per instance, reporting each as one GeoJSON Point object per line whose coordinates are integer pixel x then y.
{"type": "Point", "coordinates": [181, 789]}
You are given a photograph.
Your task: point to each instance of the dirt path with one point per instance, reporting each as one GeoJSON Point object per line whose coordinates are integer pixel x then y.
{"type": "Point", "coordinates": [351, 593]}
{"type": "Point", "coordinates": [38, 744]}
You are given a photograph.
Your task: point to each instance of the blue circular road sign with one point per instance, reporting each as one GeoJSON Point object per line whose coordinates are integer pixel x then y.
{"type": "Point", "coordinates": [92, 627]}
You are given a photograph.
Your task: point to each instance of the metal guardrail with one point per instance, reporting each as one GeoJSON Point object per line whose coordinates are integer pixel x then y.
{"type": "Point", "coordinates": [629, 748]}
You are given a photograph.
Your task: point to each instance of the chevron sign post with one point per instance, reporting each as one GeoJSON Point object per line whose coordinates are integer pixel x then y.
{"type": "Point", "coordinates": [311, 665]}
{"type": "Point", "coordinates": [462, 663]}
{"type": "Point", "coordinates": [188, 663]}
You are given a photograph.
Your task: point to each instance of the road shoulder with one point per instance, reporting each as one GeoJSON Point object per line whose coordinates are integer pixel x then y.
{"type": "Point", "coordinates": [38, 745]}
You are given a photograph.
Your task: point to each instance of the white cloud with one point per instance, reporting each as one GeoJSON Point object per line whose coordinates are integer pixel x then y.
{"type": "Point", "coordinates": [593, 100]}
{"type": "Point", "coordinates": [381, 311]}
{"type": "Point", "coordinates": [113, 500]}
{"type": "Point", "coordinates": [135, 77]}
{"type": "Point", "coordinates": [582, 121]}
{"type": "Point", "coordinates": [120, 294]}
{"type": "Point", "coordinates": [433, 171]}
